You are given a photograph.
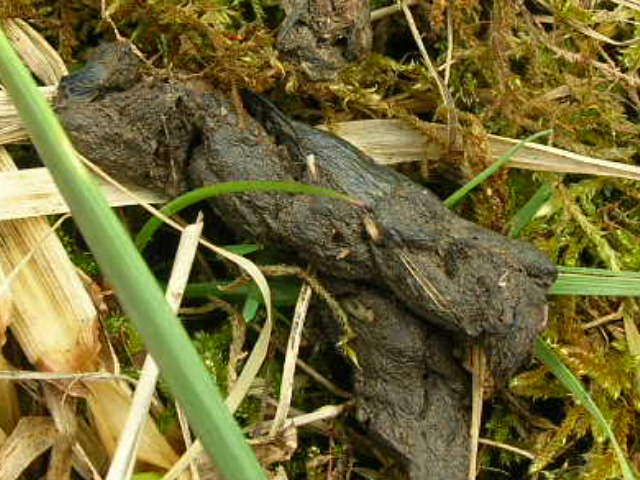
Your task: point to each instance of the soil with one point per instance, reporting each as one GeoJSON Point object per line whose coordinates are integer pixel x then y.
{"type": "Point", "coordinates": [419, 281]}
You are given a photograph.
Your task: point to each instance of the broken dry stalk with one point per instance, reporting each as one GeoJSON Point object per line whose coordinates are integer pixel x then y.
{"type": "Point", "coordinates": [288, 371]}
{"type": "Point", "coordinates": [124, 457]}
{"type": "Point", "coordinates": [478, 375]}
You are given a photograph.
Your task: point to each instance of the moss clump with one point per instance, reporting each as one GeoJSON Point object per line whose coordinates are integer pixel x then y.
{"type": "Point", "coordinates": [213, 348]}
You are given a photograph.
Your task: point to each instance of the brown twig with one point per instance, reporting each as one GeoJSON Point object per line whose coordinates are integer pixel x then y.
{"type": "Point", "coordinates": [452, 117]}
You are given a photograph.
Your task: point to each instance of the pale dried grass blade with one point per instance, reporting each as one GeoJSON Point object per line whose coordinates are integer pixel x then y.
{"type": "Point", "coordinates": [63, 411]}
{"type": "Point", "coordinates": [256, 357]}
{"type": "Point", "coordinates": [82, 464]}
{"type": "Point", "coordinates": [552, 159]}
{"type": "Point", "coordinates": [188, 440]}
{"type": "Point", "coordinates": [61, 378]}
{"type": "Point", "coordinates": [124, 457]}
{"type": "Point", "coordinates": [508, 448]}
{"type": "Point", "coordinates": [6, 307]}
{"type": "Point", "coordinates": [380, 13]}
{"type": "Point", "coordinates": [322, 414]}
{"type": "Point", "coordinates": [32, 192]}
{"type": "Point", "coordinates": [293, 347]}
{"type": "Point", "coordinates": [31, 438]}
{"type": "Point", "coordinates": [54, 319]}
{"type": "Point", "coordinates": [11, 127]}
{"type": "Point", "coordinates": [185, 256]}
{"type": "Point", "coordinates": [5, 285]}
{"type": "Point", "coordinates": [388, 142]}
{"type": "Point", "coordinates": [478, 374]}
{"type": "Point", "coordinates": [391, 142]}
{"type": "Point", "coordinates": [318, 416]}
{"type": "Point", "coordinates": [449, 59]}
{"type": "Point", "coordinates": [109, 404]}
{"type": "Point", "coordinates": [35, 51]}
{"type": "Point", "coordinates": [9, 406]}
{"type": "Point", "coordinates": [43, 61]}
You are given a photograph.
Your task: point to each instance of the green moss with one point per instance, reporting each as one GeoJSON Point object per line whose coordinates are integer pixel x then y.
{"type": "Point", "coordinates": [213, 348]}
{"type": "Point", "coordinates": [81, 258]}
{"type": "Point", "coordinates": [125, 339]}
{"type": "Point", "coordinates": [503, 426]}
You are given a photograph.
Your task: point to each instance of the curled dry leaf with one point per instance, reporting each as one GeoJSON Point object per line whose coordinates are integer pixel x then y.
{"type": "Point", "coordinates": [31, 438]}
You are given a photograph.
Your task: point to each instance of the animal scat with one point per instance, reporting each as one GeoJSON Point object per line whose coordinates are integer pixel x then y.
{"type": "Point", "coordinates": [163, 134]}
{"type": "Point", "coordinates": [112, 66]}
{"type": "Point", "coordinates": [461, 263]}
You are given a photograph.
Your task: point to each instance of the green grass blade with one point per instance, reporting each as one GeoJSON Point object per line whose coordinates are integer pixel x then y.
{"type": "Point", "coordinates": [595, 281]}
{"type": "Point", "coordinates": [457, 196]}
{"type": "Point", "coordinates": [284, 291]}
{"type": "Point", "coordinates": [243, 248]}
{"type": "Point", "coordinates": [597, 272]}
{"type": "Point", "coordinates": [250, 308]}
{"type": "Point", "coordinates": [546, 354]}
{"type": "Point", "coordinates": [183, 201]}
{"type": "Point", "coordinates": [526, 214]}
{"type": "Point", "coordinates": [134, 284]}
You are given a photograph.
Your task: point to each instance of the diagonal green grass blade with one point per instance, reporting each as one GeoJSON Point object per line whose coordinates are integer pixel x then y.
{"type": "Point", "coordinates": [194, 196]}
{"type": "Point", "coordinates": [595, 281]}
{"type": "Point", "coordinates": [525, 215]}
{"type": "Point", "coordinates": [457, 196]}
{"type": "Point", "coordinates": [546, 354]}
{"type": "Point", "coordinates": [136, 287]}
